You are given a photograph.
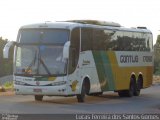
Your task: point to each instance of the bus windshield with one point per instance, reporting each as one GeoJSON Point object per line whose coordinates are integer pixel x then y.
{"type": "Point", "coordinates": [41, 54]}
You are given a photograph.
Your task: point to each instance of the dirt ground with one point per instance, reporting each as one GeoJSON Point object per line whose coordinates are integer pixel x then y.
{"type": "Point", "coordinates": [156, 79]}
{"type": "Point", "coordinates": [7, 93]}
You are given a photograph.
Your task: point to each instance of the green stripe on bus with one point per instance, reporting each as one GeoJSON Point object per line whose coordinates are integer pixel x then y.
{"type": "Point", "coordinates": [100, 70]}
{"type": "Point", "coordinates": [108, 70]}
{"type": "Point", "coordinates": [104, 70]}
{"type": "Point", "coordinates": [45, 78]}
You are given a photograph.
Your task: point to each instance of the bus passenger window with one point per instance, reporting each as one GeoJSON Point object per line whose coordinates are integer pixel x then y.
{"type": "Point", "coordinates": [74, 49]}
{"type": "Point", "coordinates": [86, 39]}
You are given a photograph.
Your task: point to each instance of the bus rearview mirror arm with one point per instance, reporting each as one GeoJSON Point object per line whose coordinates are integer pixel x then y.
{"type": "Point", "coordinates": [66, 50]}
{"type": "Point", "coordinates": [7, 47]}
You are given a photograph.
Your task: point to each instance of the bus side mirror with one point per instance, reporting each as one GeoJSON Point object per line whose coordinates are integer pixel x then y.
{"type": "Point", "coordinates": [66, 50]}
{"type": "Point", "coordinates": [6, 48]}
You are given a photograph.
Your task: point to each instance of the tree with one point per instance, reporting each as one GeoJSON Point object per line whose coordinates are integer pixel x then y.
{"type": "Point", "coordinates": [158, 40]}
{"type": "Point", "coordinates": [157, 56]}
{"type": "Point", "coordinates": [6, 65]}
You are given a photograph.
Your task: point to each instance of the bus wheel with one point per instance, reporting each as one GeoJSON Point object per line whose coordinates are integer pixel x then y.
{"type": "Point", "coordinates": [138, 86]}
{"type": "Point", "coordinates": [130, 92]}
{"type": "Point", "coordinates": [84, 91]}
{"type": "Point", "coordinates": [136, 91]}
{"type": "Point", "coordinates": [38, 97]}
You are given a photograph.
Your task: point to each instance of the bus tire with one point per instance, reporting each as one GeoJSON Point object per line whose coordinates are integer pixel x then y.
{"type": "Point", "coordinates": [84, 91]}
{"type": "Point", "coordinates": [130, 92]}
{"type": "Point", "coordinates": [140, 82]}
{"type": "Point", "coordinates": [139, 86]}
{"type": "Point", "coordinates": [38, 97]}
{"type": "Point", "coordinates": [136, 91]}
{"type": "Point", "coordinates": [81, 96]}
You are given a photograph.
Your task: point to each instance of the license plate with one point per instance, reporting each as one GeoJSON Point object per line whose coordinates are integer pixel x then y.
{"type": "Point", "coordinates": [37, 90]}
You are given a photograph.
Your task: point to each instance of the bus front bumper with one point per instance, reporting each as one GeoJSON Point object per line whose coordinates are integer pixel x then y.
{"type": "Point", "coordinates": [41, 90]}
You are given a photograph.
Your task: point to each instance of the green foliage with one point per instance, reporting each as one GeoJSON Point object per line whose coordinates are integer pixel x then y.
{"type": "Point", "coordinates": [8, 85]}
{"type": "Point", "coordinates": [158, 40]}
{"type": "Point", "coordinates": [157, 56]}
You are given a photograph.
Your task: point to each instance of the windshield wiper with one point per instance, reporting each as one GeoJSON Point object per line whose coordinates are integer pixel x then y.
{"type": "Point", "coordinates": [45, 67]}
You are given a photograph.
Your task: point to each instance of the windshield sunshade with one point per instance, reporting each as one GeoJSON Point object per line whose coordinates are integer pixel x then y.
{"type": "Point", "coordinates": [48, 36]}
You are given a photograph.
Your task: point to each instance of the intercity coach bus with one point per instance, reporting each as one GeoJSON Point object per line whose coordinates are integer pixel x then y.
{"type": "Point", "coordinates": [81, 57]}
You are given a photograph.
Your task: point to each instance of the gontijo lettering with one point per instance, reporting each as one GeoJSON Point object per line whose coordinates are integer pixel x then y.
{"type": "Point", "coordinates": [129, 58]}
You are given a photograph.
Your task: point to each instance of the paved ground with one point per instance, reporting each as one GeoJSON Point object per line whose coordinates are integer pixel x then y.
{"type": "Point", "coordinates": [147, 102]}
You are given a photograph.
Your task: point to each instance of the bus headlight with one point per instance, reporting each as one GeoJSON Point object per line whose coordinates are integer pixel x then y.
{"type": "Point", "coordinates": [58, 83]}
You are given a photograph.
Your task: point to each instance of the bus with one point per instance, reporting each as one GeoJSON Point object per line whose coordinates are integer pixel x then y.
{"type": "Point", "coordinates": [81, 57]}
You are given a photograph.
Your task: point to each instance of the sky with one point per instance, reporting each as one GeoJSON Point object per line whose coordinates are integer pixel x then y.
{"type": "Point", "coordinates": [129, 13]}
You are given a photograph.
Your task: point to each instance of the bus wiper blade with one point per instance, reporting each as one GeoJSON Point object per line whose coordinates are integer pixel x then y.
{"type": "Point", "coordinates": [45, 67]}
